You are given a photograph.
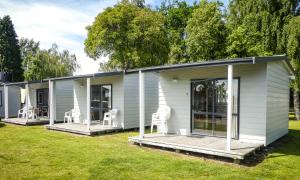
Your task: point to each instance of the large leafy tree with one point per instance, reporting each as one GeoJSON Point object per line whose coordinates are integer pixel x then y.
{"type": "Point", "coordinates": [206, 32]}
{"type": "Point", "coordinates": [40, 64]}
{"type": "Point", "coordinates": [10, 57]}
{"type": "Point", "coordinates": [266, 27]}
{"type": "Point", "coordinates": [177, 14]}
{"type": "Point", "coordinates": [131, 36]}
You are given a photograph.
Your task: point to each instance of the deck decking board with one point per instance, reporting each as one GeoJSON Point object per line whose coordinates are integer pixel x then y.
{"type": "Point", "coordinates": [198, 144]}
{"type": "Point", "coordinates": [82, 129]}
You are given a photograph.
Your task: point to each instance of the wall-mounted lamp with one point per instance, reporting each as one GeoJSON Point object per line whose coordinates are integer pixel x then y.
{"type": "Point", "coordinates": [175, 79]}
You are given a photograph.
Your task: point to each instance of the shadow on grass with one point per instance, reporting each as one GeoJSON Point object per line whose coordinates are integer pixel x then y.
{"type": "Point", "coordinates": [2, 124]}
{"type": "Point", "coordinates": [286, 146]}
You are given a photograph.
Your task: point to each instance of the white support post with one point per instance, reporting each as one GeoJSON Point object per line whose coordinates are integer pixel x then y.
{"type": "Point", "coordinates": [6, 102]}
{"type": "Point", "coordinates": [51, 102]}
{"type": "Point", "coordinates": [142, 104]}
{"type": "Point", "coordinates": [229, 106]}
{"type": "Point", "coordinates": [88, 102]}
{"type": "Point", "coordinates": [27, 101]}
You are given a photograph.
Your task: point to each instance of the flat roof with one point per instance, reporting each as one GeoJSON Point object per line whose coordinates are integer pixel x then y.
{"type": "Point", "coordinates": [218, 62]}
{"type": "Point", "coordinates": [24, 82]}
{"type": "Point", "coordinates": [100, 74]}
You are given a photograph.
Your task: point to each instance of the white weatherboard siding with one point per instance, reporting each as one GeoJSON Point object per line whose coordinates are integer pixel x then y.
{"type": "Point", "coordinates": [277, 101]}
{"type": "Point", "coordinates": [14, 97]}
{"type": "Point", "coordinates": [131, 98]}
{"type": "Point", "coordinates": [80, 99]}
{"type": "Point", "coordinates": [117, 94]}
{"type": "Point", "coordinates": [177, 95]}
{"type": "Point", "coordinates": [64, 98]}
{"type": "Point", "coordinates": [32, 92]}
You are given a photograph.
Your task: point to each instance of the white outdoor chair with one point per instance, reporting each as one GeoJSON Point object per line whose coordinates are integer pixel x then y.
{"type": "Point", "coordinates": [68, 116]}
{"type": "Point", "coordinates": [160, 118]}
{"type": "Point", "coordinates": [71, 115]}
{"type": "Point", "coordinates": [110, 116]}
{"type": "Point", "coordinates": [33, 113]}
{"type": "Point", "coordinates": [22, 113]}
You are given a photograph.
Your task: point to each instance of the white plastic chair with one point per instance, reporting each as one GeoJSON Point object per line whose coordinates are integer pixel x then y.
{"type": "Point", "coordinates": [110, 116]}
{"type": "Point", "coordinates": [68, 116]}
{"type": "Point", "coordinates": [71, 115]}
{"type": "Point", "coordinates": [160, 118]}
{"type": "Point", "coordinates": [22, 113]}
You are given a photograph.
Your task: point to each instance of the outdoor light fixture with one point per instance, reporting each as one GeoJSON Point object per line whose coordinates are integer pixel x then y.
{"type": "Point", "coordinates": [175, 79]}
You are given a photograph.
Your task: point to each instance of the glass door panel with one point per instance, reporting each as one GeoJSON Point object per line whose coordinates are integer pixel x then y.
{"type": "Point", "coordinates": [202, 107]}
{"type": "Point", "coordinates": [101, 101]}
{"type": "Point", "coordinates": [209, 107]}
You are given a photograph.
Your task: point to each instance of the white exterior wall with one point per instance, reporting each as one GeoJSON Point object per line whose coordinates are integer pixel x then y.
{"type": "Point", "coordinates": [14, 97]}
{"type": "Point", "coordinates": [177, 95]}
{"type": "Point", "coordinates": [131, 98]}
{"type": "Point", "coordinates": [80, 99]}
{"type": "Point", "coordinates": [117, 94]}
{"type": "Point", "coordinates": [64, 98]}
{"type": "Point", "coordinates": [32, 92]}
{"type": "Point", "coordinates": [277, 101]}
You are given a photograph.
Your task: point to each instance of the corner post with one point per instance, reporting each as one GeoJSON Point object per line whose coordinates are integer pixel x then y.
{"type": "Point", "coordinates": [51, 100]}
{"type": "Point", "coordinates": [27, 101]}
{"type": "Point", "coordinates": [88, 102]}
{"type": "Point", "coordinates": [5, 102]}
{"type": "Point", "coordinates": [229, 106]}
{"type": "Point", "coordinates": [141, 104]}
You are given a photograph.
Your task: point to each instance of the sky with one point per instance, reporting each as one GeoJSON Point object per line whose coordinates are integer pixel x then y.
{"type": "Point", "coordinates": [60, 22]}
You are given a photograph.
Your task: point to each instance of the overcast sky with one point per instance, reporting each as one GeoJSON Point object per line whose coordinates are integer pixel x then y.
{"type": "Point", "coordinates": [60, 22]}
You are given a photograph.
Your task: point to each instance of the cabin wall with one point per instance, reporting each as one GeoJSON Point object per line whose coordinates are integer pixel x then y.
{"type": "Point", "coordinates": [64, 94]}
{"type": "Point", "coordinates": [131, 98]}
{"type": "Point", "coordinates": [117, 94]}
{"type": "Point", "coordinates": [14, 104]}
{"type": "Point", "coordinates": [80, 100]}
{"type": "Point", "coordinates": [277, 101]}
{"type": "Point", "coordinates": [175, 91]}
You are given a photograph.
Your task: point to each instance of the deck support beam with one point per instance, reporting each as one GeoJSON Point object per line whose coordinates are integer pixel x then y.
{"type": "Point", "coordinates": [229, 106]}
{"type": "Point", "coordinates": [6, 102]}
{"type": "Point", "coordinates": [88, 103]}
{"type": "Point", "coordinates": [51, 102]}
{"type": "Point", "coordinates": [27, 101]}
{"type": "Point", "coordinates": [142, 104]}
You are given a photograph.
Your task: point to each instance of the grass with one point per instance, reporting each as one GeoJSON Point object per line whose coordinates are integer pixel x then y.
{"type": "Point", "coordinates": [35, 153]}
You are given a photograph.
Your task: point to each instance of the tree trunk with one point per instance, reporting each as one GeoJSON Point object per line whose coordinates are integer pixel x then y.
{"type": "Point", "coordinates": [296, 105]}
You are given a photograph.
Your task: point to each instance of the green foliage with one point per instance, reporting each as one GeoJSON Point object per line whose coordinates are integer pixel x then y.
{"type": "Point", "coordinates": [40, 64]}
{"type": "Point", "coordinates": [10, 58]}
{"type": "Point", "coordinates": [292, 33]}
{"type": "Point", "coordinates": [177, 14]}
{"type": "Point", "coordinates": [206, 32]}
{"type": "Point", "coordinates": [131, 36]}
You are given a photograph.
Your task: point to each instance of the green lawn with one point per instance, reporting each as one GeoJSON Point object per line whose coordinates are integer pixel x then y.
{"type": "Point", "coordinates": [34, 153]}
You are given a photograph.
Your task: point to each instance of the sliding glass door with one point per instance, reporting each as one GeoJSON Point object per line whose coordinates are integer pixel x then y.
{"type": "Point", "coordinates": [101, 101]}
{"type": "Point", "coordinates": [209, 107]}
{"type": "Point", "coordinates": [42, 101]}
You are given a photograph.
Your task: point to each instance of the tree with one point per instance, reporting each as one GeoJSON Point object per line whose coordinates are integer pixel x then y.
{"type": "Point", "coordinates": [177, 14]}
{"type": "Point", "coordinates": [10, 58]}
{"type": "Point", "coordinates": [292, 33]}
{"type": "Point", "coordinates": [206, 32]}
{"type": "Point", "coordinates": [40, 64]}
{"type": "Point", "coordinates": [263, 28]}
{"type": "Point", "coordinates": [131, 36]}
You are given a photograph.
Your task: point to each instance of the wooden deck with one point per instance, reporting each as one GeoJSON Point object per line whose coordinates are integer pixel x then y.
{"type": "Point", "coordinates": [95, 129]}
{"type": "Point", "coordinates": [198, 144]}
{"type": "Point", "coordinates": [30, 122]}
